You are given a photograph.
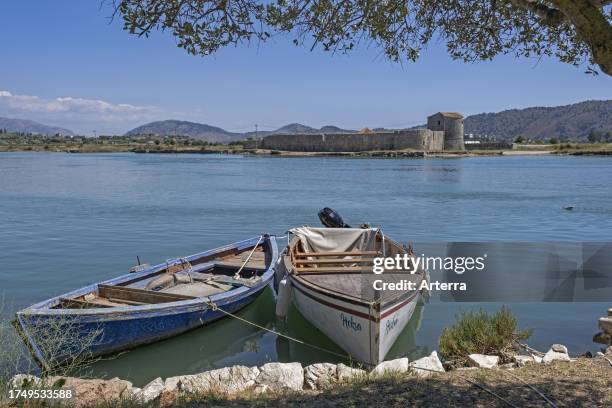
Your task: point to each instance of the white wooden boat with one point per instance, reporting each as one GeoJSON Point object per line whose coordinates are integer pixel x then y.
{"type": "Point", "coordinates": [328, 273]}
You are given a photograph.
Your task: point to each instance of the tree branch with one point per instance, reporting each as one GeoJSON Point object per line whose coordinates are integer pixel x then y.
{"type": "Point", "coordinates": [549, 16]}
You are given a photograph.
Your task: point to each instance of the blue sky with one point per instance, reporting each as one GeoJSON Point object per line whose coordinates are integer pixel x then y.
{"type": "Point", "coordinates": [63, 63]}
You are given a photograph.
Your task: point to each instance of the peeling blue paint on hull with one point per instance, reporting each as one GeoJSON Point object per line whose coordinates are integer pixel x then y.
{"type": "Point", "coordinates": [103, 331]}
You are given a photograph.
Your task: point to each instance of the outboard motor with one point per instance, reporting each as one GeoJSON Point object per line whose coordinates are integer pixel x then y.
{"type": "Point", "coordinates": [331, 219]}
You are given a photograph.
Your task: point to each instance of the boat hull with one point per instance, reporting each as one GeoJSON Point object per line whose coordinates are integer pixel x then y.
{"type": "Point", "coordinates": [94, 336]}
{"type": "Point", "coordinates": [365, 334]}
{"type": "Point", "coordinates": [66, 334]}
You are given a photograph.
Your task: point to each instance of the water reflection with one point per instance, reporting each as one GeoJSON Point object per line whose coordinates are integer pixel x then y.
{"type": "Point", "coordinates": [230, 342]}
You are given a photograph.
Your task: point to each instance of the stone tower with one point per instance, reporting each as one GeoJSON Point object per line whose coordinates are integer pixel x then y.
{"type": "Point", "coordinates": [451, 123]}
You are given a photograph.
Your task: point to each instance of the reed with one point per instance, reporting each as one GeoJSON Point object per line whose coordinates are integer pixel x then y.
{"type": "Point", "coordinates": [481, 333]}
{"type": "Point", "coordinates": [54, 338]}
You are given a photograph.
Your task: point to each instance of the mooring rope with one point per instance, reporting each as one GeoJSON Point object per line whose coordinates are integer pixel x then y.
{"type": "Point", "coordinates": [482, 387]}
{"type": "Point", "coordinates": [237, 274]}
{"type": "Point", "coordinates": [344, 356]}
{"type": "Point", "coordinates": [215, 308]}
{"type": "Point", "coordinates": [552, 404]}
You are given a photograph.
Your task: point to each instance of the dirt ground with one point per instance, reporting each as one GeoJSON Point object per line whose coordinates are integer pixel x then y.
{"type": "Point", "coordinates": [582, 383]}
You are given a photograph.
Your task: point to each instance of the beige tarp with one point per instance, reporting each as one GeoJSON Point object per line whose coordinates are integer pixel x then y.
{"type": "Point", "coordinates": [336, 239]}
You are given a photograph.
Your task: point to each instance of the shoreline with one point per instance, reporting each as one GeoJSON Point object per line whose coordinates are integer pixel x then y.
{"type": "Point", "coordinates": [527, 381]}
{"type": "Point", "coordinates": [383, 154]}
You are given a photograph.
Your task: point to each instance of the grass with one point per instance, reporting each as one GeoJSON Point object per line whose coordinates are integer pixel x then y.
{"type": "Point", "coordinates": [53, 338]}
{"type": "Point", "coordinates": [481, 333]}
{"type": "Point", "coordinates": [110, 148]}
{"type": "Point", "coordinates": [585, 382]}
{"type": "Point", "coordinates": [582, 147]}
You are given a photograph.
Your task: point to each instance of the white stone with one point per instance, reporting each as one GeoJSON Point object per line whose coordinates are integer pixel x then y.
{"type": "Point", "coordinates": [399, 365]}
{"type": "Point", "coordinates": [174, 383]}
{"type": "Point", "coordinates": [320, 376]}
{"type": "Point", "coordinates": [552, 355]}
{"type": "Point", "coordinates": [20, 381]}
{"type": "Point", "coordinates": [524, 360]}
{"type": "Point", "coordinates": [346, 373]}
{"type": "Point", "coordinates": [90, 392]}
{"type": "Point", "coordinates": [281, 376]}
{"type": "Point", "coordinates": [483, 361]}
{"type": "Point", "coordinates": [426, 366]}
{"type": "Point", "coordinates": [226, 380]}
{"type": "Point", "coordinates": [151, 391]}
{"type": "Point", "coordinates": [600, 354]}
{"type": "Point", "coordinates": [261, 389]}
{"type": "Point", "coordinates": [559, 348]}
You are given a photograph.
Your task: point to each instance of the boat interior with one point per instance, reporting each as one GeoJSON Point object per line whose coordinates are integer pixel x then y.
{"type": "Point", "coordinates": [350, 273]}
{"type": "Point", "coordinates": [180, 279]}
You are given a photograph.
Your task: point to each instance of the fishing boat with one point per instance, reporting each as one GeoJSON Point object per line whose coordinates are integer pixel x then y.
{"type": "Point", "coordinates": [328, 275]}
{"type": "Point", "coordinates": [152, 304]}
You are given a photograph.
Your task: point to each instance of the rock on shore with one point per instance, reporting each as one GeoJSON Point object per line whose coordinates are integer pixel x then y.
{"type": "Point", "coordinates": [557, 352]}
{"type": "Point", "coordinates": [271, 377]}
{"type": "Point", "coordinates": [426, 366]}
{"type": "Point", "coordinates": [399, 365]}
{"type": "Point", "coordinates": [483, 361]}
{"type": "Point", "coordinates": [90, 392]}
{"type": "Point", "coordinates": [279, 377]}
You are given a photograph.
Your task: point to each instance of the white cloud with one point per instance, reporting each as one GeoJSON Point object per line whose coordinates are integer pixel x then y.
{"type": "Point", "coordinates": [78, 114]}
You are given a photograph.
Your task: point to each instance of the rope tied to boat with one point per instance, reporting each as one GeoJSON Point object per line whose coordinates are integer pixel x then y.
{"type": "Point", "coordinates": [347, 357]}
{"type": "Point", "coordinates": [216, 308]}
{"type": "Point", "coordinates": [237, 274]}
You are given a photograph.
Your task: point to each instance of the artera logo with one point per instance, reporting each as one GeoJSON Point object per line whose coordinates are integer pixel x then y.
{"type": "Point", "coordinates": [350, 323]}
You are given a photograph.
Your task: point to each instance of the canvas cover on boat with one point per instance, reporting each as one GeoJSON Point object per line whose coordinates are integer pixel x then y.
{"type": "Point", "coordinates": [336, 239]}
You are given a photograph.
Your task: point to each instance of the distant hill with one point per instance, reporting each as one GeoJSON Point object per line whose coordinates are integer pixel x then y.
{"type": "Point", "coordinates": [335, 129]}
{"type": "Point", "coordinates": [184, 128]}
{"type": "Point", "coordinates": [29, 126]}
{"type": "Point", "coordinates": [296, 128]}
{"type": "Point", "coordinates": [542, 123]}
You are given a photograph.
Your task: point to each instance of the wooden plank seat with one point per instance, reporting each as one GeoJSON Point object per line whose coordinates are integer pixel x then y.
{"type": "Point", "coordinates": [138, 296]}
{"type": "Point", "coordinates": [209, 258]}
{"type": "Point", "coordinates": [336, 254]}
{"type": "Point", "coordinates": [66, 303]}
{"type": "Point", "coordinates": [334, 261]}
{"type": "Point", "coordinates": [228, 280]}
{"type": "Point", "coordinates": [331, 272]}
{"type": "Point", "coordinates": [256, 261]}
{"type": "Point", "coordinates": [339, 270]}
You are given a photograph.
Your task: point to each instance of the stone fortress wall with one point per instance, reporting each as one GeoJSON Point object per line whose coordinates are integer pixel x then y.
{"type": "Point", "coordinates": [444, 132]}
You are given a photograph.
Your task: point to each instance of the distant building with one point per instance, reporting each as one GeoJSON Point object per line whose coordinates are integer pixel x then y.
{"type": "Point", "coordinates": [444, 132]}
{"type": "Point", "coordinates": [451, 123]}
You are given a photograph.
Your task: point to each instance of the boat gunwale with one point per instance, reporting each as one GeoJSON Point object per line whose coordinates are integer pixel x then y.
{"type": "Point", "coordinates": [379, 306]}
{"type": "Point", "coordinates": [376, 316]}
{"type": "Point", "coordinates": [44, 308]}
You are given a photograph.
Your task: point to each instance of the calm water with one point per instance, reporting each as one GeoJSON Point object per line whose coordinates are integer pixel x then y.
{"type": "Point", "coordinates": [70, 220]}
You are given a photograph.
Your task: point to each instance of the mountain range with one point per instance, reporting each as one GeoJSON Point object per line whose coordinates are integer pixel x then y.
{"type": "Point", "coordinates": [184, 128]}
{"type": "Point", "coordinates": [29, 126]}
{"type": "Point", "coordinates": [573, 122]}
{"type": "Point", "coordinates": [217, 134]}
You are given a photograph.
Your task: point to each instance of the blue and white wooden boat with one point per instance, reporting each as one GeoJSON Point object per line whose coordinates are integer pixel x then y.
{"type": "Point", "coordinates": [150, 305]}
